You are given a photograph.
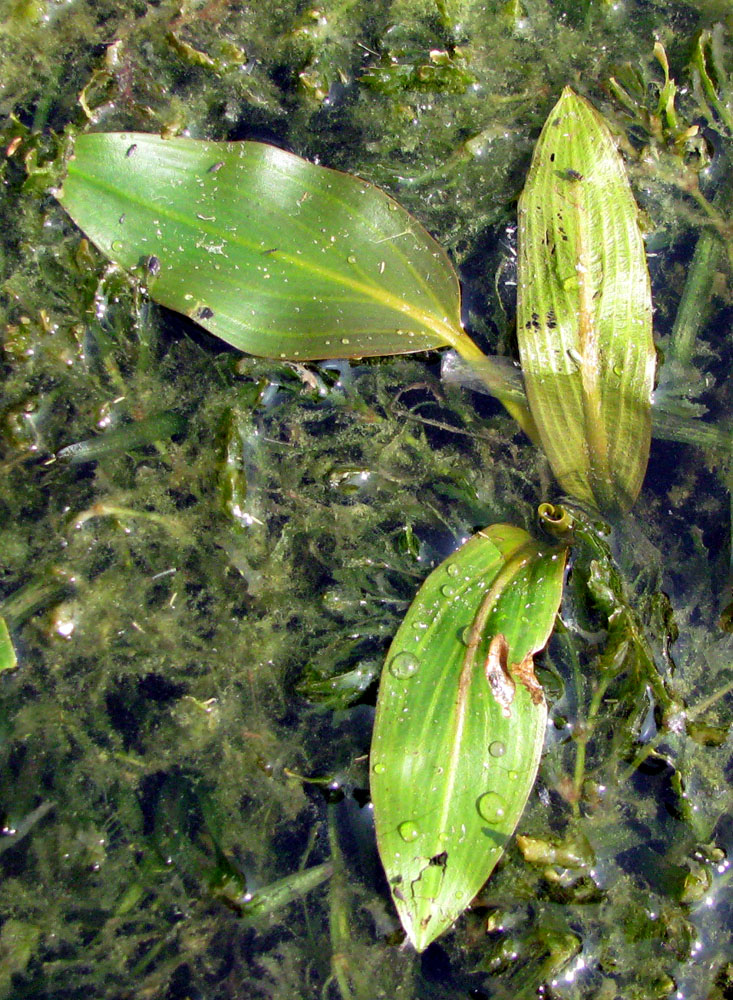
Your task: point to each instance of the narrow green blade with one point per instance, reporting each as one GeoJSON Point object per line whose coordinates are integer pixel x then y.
{"type": "Point", "coordinates": [273, 254]}
{"type": "Point", "coordinates": [584, 311]}
{"type": "Point", "coordinates": [8, 659]}
{"type": "Point", "coordinates": [460, 723]}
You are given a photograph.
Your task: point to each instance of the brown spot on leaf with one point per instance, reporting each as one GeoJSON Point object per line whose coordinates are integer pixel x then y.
{"type": "Point", "coordinates": [497, 673]}
{"type": "Point", "coordinates": [524, 673]}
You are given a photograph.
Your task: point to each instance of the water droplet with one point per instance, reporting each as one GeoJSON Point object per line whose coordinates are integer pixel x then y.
{"type": "Point", "coordinates": [379, 769]}
{"type": "Point", "coordinates": [497, 748]}
{"type": "Point", "coordinates": [408, 831]}
{"type": "Point", "coordinates": [345, 341]}
{"type": "Point", "coordinates": [513, 775]}
{"type": "Point", "coordinates": [351, 259]}
{"type": "Point", "coordinates": [466, 635]}
{"type": "Point", "coordinates": [404, 665]}
{"type": "Point", "coordinates": [447, 590]}
{"type": "Point", "coordinates": [492, 807]}
{"type": "Point", "coordinates": [452, 570]}
{"type": "Point", "coordinates": [116, 246]}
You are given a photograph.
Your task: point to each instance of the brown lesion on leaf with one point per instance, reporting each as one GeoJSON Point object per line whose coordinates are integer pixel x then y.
{"type": "Point", "coordinates": [501, 675]}
{"type": "Point", "coordinates": [524, 673]}
{"type": "Point", "coordinates": [497, 673]}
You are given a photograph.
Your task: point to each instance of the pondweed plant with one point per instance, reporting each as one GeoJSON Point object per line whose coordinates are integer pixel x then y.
{"type": "Point", "coordinates": [213, 523]}
{"type": "Point", "coordinates": [285, 259]}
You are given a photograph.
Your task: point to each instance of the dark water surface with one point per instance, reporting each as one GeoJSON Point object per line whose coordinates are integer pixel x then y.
{"type": "Point", "coordinates": [200, 592]}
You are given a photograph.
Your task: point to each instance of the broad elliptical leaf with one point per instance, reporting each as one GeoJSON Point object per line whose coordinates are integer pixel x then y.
{"type": "Point", "coordinates": [584, 310]}
{"type": "Point", "coordinates": [278, 256]}
{"type": "Point", "coordinates": [461, 722]}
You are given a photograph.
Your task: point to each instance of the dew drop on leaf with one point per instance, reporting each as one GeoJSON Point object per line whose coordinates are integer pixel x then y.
{"type": "Point", "coordinates": [408, 831]}
{"type": "Point", "coordinates": [404, 665]}
{"type": "Point", "coordinates": [492, 807]}
{"type": "Point", "coordinates": [497, 748]}
{"type": "Point", "coordinates": [447, 590]}
{"type": "Point", "coordinates": [452, 570]}
{"type": "Point", "coordinates": [379, 768]}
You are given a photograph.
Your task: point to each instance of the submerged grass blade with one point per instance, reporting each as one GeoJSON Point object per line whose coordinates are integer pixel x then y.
{"type": "Point", "coordinates": [124, 438]}
{"type": "Point", "coordinates": [8, 659]}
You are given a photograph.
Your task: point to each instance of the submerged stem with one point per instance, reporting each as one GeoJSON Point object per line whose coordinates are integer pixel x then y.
{"type": "Point", "coordinates": [344, 971]}
{"type": "Point", "coordinates": [495, 381]}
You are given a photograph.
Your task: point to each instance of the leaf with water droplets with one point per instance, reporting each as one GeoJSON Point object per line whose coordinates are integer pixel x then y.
{"type": "Point", "coordinates": [584, 310]}
{"type": "Point", "coordinates": [460, 723]}
{"type": "Point", "coordinates": [275, 255]}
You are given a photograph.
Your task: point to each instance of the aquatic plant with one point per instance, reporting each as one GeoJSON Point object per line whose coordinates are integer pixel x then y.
{"type": "Point", "coordinates": [201, 587]}
{"type": "Point", "coordinates": [282, 258]}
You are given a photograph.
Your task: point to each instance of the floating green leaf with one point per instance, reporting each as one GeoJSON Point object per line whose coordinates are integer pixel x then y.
{"type": "Point", "coordinates": [273, 254]}
{"type": "Point", "coordinates": [584, 309]}
{"type": "Point", "coordinates": [460, 723]}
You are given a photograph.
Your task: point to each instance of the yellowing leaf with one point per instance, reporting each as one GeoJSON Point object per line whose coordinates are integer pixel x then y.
{"type": "Point", "coordinates": [584, 312]}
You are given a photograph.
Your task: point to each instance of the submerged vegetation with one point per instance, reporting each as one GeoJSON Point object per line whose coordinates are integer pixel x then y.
{"type": "Point", "coordinates": [283, 258]}
{"type": "Point", "coordinates": [206, 555]}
